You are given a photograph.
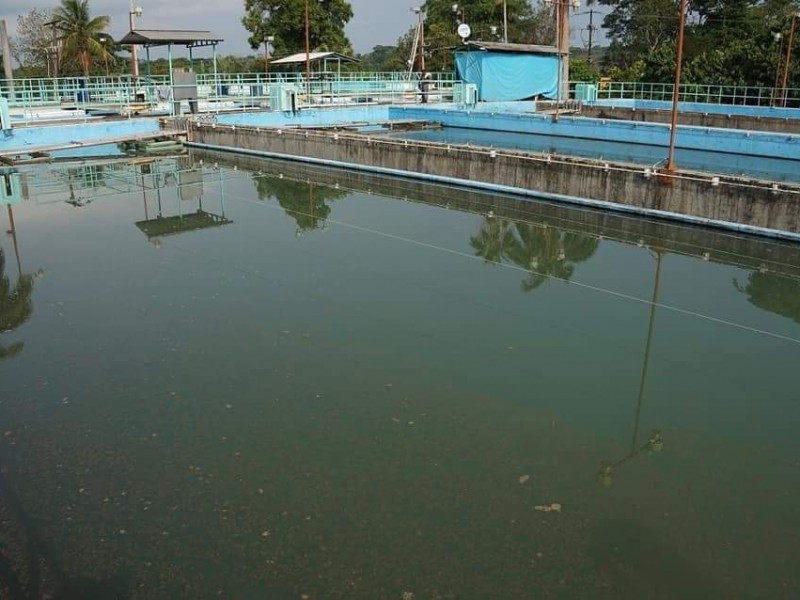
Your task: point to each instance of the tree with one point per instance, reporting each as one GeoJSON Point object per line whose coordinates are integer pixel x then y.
{"type": "Point", "coordinates": [79, 33]}
{"type": "Point", "coordinates": [16, 306]}
{"type": "Point", "coordinates": [526, 25]}
{"type": "Point", "coordinates": [304, 202]}
{"type": "Point", "coordinates": [546, 252]}
{"type": "Point", "coordinates": [34, 47]}
{"type": "Point", "coordinates": [728, 42]}
{"type": "Point", "coordinates": [381, 58]}
{"type": "Point", "coordinates": [778, 294]}
{"type": "Point", "coordinates": [639, 28]}
{"type": "Point", "coordinates": [285, 20]}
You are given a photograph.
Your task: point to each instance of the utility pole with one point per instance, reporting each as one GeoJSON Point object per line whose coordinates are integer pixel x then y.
{"type": "Point", "coordinates": [591, 35]}
{"type": "Point", "coordinates": [505, 22]}
{"type": "Point", "coordinates": [308, 56]}
{"type": "Point", "coordinates": [676, 93]}
{"type": "Point", "coordinates": [5, 46]}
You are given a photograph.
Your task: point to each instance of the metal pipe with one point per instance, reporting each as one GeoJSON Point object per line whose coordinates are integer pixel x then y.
{"type": "Point", "coordinates": [676, 93]}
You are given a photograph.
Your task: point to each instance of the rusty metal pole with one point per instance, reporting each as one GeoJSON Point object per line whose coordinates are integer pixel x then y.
{"type": "Point", "coordinates": [784, 92]}
{"type": "Point", "coordinates": [421, 40]}
{"type": "Point", "coordinates": [308, 56]}
{"type": "Point", "coordinates": [676, 94]}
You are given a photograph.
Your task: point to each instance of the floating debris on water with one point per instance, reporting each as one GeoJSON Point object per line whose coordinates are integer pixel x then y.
{"type": "Point", "coordinates": [555, 507]}
{"type": "Point", "coordinates": [523, 479]}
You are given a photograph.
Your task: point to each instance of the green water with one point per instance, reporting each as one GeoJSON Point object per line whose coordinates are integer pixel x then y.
{"type": "Point", "coordinates": [336, 392]}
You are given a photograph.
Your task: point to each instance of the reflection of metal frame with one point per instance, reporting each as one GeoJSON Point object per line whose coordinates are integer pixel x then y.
{"type": "Point", "coordinates": [189, 183]}
{"type": "Point", "coordinates": [10, 187]}
{"type": "Point", "coordinates": [164, 226]}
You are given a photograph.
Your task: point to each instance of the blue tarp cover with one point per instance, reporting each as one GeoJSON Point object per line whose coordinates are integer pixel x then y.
{"type": "Point", "coordinates": [502, 76]}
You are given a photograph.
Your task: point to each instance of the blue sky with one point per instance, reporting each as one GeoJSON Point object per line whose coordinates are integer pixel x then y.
{"type": "Point", "coordinates": [375, 21]}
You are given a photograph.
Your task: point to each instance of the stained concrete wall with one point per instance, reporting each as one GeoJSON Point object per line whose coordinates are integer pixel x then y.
{"type": "Point", "coordinates": [697, 119]}
{"type": "Point", "coordinates": [728, 200]}
{"type": "Point", "coordinates": [747, 252]}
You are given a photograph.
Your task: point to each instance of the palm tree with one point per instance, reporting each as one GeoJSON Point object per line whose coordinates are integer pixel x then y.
{"type": "Point", "coordinates": [493, 240]}
{"type": "Point", "coordinates": [80, 33]}
{"type": "Point", "coordinates": [15, 306]}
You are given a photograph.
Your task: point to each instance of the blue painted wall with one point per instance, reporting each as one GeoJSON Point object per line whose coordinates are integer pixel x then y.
{"type": "Point", "coordinates": [309, 117]}
{"type": "Point", "coordinates": [28, 138]}
{"type": "Point", "coordinates": [731, 141]}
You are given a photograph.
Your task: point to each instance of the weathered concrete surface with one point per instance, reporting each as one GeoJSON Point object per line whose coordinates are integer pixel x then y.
{"type": "Point", "coordinates": [747, 252]}
{"type": "Point", "coordinates": [726, 200]}
{"type": "Point", "coordinates": [733, 121]}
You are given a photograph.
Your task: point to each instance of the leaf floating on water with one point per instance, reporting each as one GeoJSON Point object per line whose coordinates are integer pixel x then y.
{"type": "Point", "coordinates": [524, 479]}
{"type": "Point", "coordinates": [555, 507]}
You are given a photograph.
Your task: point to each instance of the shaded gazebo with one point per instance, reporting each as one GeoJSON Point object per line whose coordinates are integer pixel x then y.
{"type": "Point", "coordinates": [191, 39]}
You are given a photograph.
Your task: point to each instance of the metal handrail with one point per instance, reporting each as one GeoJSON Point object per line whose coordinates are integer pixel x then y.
{"type": "Point", "coordinates": [698, 93]}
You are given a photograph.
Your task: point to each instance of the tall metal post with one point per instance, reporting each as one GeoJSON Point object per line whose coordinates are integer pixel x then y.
{"type": "Point", "coordinates": [421, 40]}
{"type": "Point", "coordinates": [308, 55]}
{"type": "Point", "coordinates": [6, 47]}
{"type": "Point", "coordinates": [134, 48]}
{"type": "Point", "coordinates": [505, 21]}
{"type": "Point", "coordinates": [788, 60]}
{"type": "Point", "coordinates": [562, 26]}
{"type": "Point", "coordinates": [676, 94]}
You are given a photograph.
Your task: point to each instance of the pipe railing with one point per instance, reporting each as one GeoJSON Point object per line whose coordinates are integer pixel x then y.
{"type": "Point", "coordinates": [698, 93]}
{"type": "Point", "coordinates": [221, 91]}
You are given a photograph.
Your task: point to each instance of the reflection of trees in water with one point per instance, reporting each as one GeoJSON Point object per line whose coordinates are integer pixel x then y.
{"type": "Point", "coordinates": [544, 251]}
{"type": "Point", "coordinates": [16, 306]}
{"type": "Point", "coordinates": [772, 292]}
{"type": "Point", "coordinates": [304, 202]}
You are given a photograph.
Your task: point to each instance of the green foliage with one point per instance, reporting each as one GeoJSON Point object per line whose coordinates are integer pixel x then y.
{"type": "Point", "coordinates": [545, 252]}
{"type": "Point", "coordinates": [79, 34]}
{"type": "Point", "coordinates": [382, 58]}
{"type": "Point", "coordinates": [16, 306]}
{"type": "Point", "coordinates": [285, 20]}
{"type": "Point", "coordinates": [581, 70]}
{"type": "Point", "coordinates": [526, 25]}
{"type": "Point", "coordinates": [776, 293]}
{"type": "Point", "coordinates": [728, 42]}
{"type": "Point", "coordinates": [304, 202]}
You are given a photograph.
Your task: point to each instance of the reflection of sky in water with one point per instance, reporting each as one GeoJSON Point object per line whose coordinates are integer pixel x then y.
{"type": "Point", "coordinates": [730, 164]}
{"type": "Point", "coordinates": [279, 406]}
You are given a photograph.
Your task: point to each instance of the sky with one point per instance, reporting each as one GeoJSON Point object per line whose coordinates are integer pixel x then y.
{"type": "Point", "coordinates": [374, 22]}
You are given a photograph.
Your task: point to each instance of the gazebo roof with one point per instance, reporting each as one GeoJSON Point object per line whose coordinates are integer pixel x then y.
{"type": "Point", "coordinates": [300, 58]}
{"type": "Point", "coordinates": [166, 37]}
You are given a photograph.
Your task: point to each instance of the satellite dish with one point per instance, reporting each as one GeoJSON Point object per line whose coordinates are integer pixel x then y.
{"type": "Point", "coordinates": [464, 31]}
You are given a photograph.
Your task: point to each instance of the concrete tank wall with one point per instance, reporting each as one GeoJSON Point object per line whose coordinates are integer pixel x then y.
{"type": "Point", "coordinates": [751, 143]}
{"type": "Point", "coordinates": [725, 201]}
{"type": "Point", "coordinates": [709, 244]}
{"type": "Point", "coordinates": [775, 123]}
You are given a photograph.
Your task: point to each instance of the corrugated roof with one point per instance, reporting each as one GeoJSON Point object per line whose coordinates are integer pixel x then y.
{"type": "Point", "coordinates": [164, 37]}
{"type": "Point", "coordinates": [313, 57]}
{"type": "Point", "coordinates": [519, 48]}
